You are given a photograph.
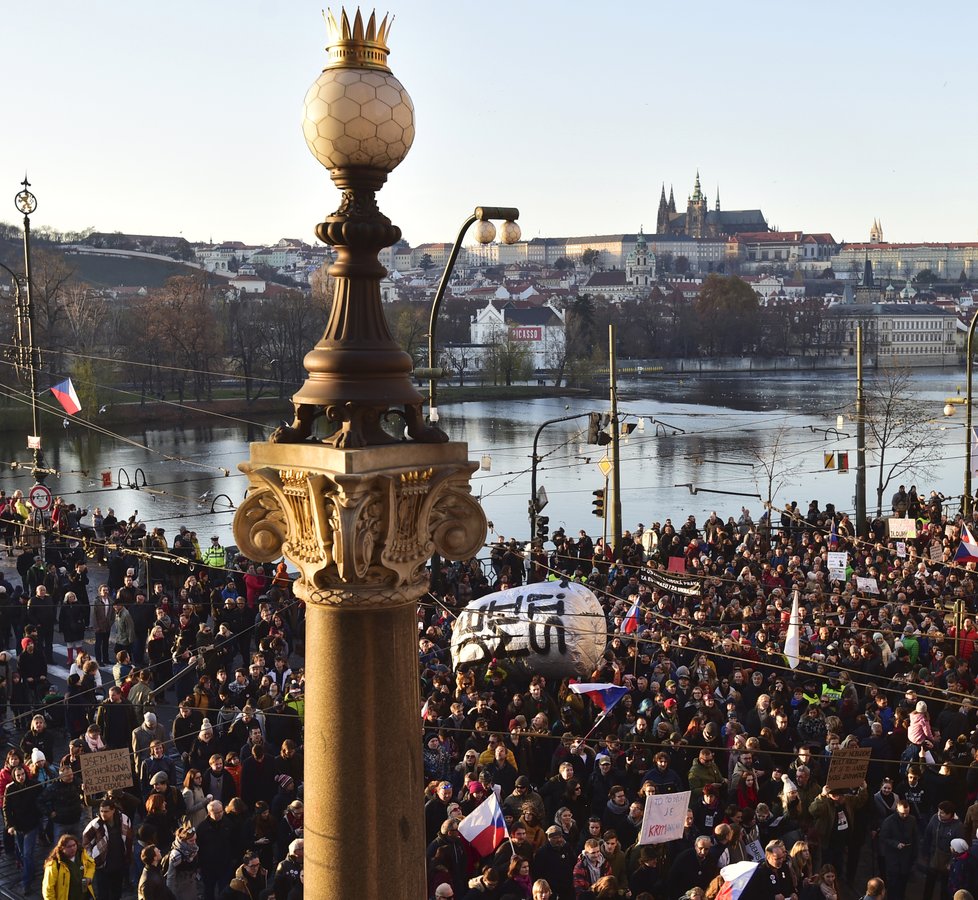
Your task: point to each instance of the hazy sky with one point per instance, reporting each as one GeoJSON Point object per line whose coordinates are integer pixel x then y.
{"type": "Point", "coordinates": [184, 116]}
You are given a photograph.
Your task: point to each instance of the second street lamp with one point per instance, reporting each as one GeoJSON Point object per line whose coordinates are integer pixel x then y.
{"type": "Point", "coordinates": [485, 233]}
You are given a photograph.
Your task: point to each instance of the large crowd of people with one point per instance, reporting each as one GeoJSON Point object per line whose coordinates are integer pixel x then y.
{"type": "Point", "coordinates": [887, 662]}
{"type": "Point", "coordinates": [186, 657]}
{"type": "Point", "coordinates": [189, 657]}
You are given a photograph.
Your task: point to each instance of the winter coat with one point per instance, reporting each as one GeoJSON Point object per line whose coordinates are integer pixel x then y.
{"type": "Point", "coordinates": [181, 870]}
{"type": "Point", "coordinates": [57, 878]}
{"type": "Point", "coordinates": [893, 831]}
{"type": "Point", "coordinates": [20, 807]}
{"type": "Point", "coordinates": [73, 621]}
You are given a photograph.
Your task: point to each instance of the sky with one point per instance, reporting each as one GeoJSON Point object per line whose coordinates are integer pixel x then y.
{"type": "Point", "coordinates": [185, 118]}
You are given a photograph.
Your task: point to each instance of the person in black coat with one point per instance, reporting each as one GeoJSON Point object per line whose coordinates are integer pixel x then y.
{"type": "Point", "coordinates": [899, 843]}
{"type": "Point", "coordinates": [554, 861]}
{"type": "Point", "coordinates": [216, 864]}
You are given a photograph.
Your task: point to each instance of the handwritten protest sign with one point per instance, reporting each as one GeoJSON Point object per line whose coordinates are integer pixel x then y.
{"type": "Point", "coordinates": [848, 768]}
{"type": "Point", "coordinates": [665, 818]}
{"type": "Point", "coordinates": [837, 565]}
{"type": "Point", "coordinates": [902, 528]}
{"type": "Point", "coordinates": [867, 585]}
{"type": "Point", "coordinates": [106, 770]}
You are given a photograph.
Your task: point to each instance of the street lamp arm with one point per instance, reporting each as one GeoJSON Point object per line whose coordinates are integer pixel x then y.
{"type": "Point", "coordinates": [966, 500]}
{"type": "Point", "coordinates": [481, 213]}
{"type": "Point", "coordinates": [536, 460]}
{"type": "Point", "coordinates": [436, 305]}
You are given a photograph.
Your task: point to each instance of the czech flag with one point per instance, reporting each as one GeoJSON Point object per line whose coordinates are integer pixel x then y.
{"type": "Point", "coordinates": [633, 619]}
{"type": "Point", "coordinates": [735, 878]}
{"type": "Point", "coordinates": [65, 395]}
{"type": "Point", "coordinates": [967, 550]}
{"type": "Point", "coordinates": [834, 536]}
{"type": "Point", "coordinates": [604, 696]}
{"type": "Point", "coordinates": [485, 828]}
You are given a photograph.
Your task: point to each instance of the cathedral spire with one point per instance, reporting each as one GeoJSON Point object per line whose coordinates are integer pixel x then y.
{"type": "Point", "coordinates": [718, 198]}
{"type": "Point", "coordinates": [672, 200]}
{"type": "Point", "coordinates": [662, 196]}
{"type": "Point", "coordinates": [697, 191]}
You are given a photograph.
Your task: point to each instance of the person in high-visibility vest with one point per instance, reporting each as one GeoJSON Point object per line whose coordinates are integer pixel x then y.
{"type": "Point", "coordinates": [213, 556]}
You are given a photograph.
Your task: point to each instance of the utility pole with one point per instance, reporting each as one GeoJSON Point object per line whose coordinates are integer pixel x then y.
{"type": "Point", "coordinates": [534, 507]}
{"type": "Point", "coordinates": [614, 507]}
{"type": "Point", "coordinates": [860, 438]}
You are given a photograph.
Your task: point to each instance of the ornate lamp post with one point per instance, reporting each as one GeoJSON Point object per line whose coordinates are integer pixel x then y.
{"type": "Point", "coordinates": [361, 510]}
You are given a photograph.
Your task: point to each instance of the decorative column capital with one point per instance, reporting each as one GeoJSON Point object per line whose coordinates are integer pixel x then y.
{"type": "Point", "coordinates": [359, 525]}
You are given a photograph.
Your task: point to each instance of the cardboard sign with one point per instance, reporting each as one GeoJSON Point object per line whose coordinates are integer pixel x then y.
{"type": "Point", "coordinates": [901, 549]}
{"type": "Point", "coordinates": [867, 585]}
{"type": "Point", "coordinates": [902, 528]}
{"type": "Point", "coordinates": [936, 551]}
{"type": "Point", "coordinates": [106, 770]}
{"type": "Point", "coordinates": [755, 851]}
{"type": "Point", "coordinates": [664, 819]}
{"type": "Point", "coordinates": [847, 771]}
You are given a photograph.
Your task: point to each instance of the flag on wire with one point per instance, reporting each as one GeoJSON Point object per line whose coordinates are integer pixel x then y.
{"type": "Point", "coordinates": [633, 619]}
{"type": "Point", "coordinates": [967, 550]}
{"type": "Point", "coordinates": [735, 878]}
{"type": "Point", "coordinates": [485, 828]}
{"type": "Point", "coordinates": [64, 393]}
{"type": "Point", "coordinates": [793, 639]}
{"type": "Point", "coordinates": [604, 696]}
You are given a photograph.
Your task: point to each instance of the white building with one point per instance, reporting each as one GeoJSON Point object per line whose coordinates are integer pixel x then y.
{"type": "Point", "coordinates": [541, 329]}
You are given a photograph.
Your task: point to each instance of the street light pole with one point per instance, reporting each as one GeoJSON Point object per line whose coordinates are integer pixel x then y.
{"type": "Point", "coordinates": [614, 507]}
{"type": "Point", "coordinates": [969, 365]}
{"type": "Point", "coordinates": [534, 511]}
{"type": "Point", "coordinates": [360, 511]}
{"type": "Point", "coordinates": [484, 235]}
{"type": "Point", "coordinates": [861, 529]}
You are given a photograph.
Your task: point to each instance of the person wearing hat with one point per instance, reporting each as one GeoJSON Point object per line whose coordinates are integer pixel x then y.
{"type": "Point", "coordinates": [522, 794]}
{"type": "Point", "coordinates": [149, 730]}
{"type": "Point", "coordinates": [554, 862]}
{"type": "Point", "coordinates": [290, 823]}
{"type": "Point", "coordinates": [214, 557]}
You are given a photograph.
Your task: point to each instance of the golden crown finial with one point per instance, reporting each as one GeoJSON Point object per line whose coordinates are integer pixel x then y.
{"type": "Point", "coordinates": [357, 47]}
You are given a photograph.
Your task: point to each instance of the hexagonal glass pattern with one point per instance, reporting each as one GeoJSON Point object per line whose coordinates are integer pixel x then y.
{"type": "Point", "coordinates": [358, 118]}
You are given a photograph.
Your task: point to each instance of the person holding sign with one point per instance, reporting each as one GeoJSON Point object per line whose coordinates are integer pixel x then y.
{"type": "Point", "coordinates": [835, 820]}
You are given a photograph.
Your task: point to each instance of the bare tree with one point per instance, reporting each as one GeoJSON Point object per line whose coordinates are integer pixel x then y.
{"type": "Point", "coordinates": [770, 467]}
{"type": "Point", "coordinates": [895, 426]}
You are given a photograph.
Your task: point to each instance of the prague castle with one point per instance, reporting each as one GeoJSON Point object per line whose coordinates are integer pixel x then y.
{"type": "Point", "coordinates": [699, 221]}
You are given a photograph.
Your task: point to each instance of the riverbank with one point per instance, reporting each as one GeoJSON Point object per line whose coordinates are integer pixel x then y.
{"type": "Point", "coordinates": [157, 414]}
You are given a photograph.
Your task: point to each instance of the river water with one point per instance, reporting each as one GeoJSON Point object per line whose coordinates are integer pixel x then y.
{"type": "Point", "coordinates": [712, 427]}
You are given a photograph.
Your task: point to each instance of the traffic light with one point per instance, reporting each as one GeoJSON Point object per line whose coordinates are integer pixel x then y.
{"type": "Point", "coordinates": [543, 527]}
{"type": "Point", "coordinates": [595, 429]}
{"type": "Point", "coordinates": [598, 503]}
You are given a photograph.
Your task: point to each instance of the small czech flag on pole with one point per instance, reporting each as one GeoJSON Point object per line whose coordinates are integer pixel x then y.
{"type": "Point", "coordinates": [967, 550]}
{"type": "Point", "coordinates": [65, 394]}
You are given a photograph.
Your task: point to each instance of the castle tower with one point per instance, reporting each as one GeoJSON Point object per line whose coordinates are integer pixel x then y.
{"type": "Point", "coordinates": [876, 232]}
{"type": "Point", "coordinates": [718, 198]}
{"type": "Point", "coordinates": [662, 217]}
{"type": "Point", "coordinates": [672, 200]}
{"type": "Point", "coordinates": [696, 208]}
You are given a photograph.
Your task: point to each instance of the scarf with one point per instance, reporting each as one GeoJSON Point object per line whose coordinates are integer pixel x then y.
{"type": "Point", "coordinates": [94, 745]}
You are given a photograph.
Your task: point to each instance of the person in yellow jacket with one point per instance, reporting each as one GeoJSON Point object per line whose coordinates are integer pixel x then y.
{"type": "Point", "coordinates": [68, 871]}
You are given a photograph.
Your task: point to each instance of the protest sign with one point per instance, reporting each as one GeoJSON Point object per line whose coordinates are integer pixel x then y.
{"type": "Point", "coordinates": [901, 549]}
{"type": "Point", "coordinates": [555, 628]}
{"type": "Point", "coordinates": [936, 551]}
{"type": "Point", "coordinates": [837, 565]}
{"type": "Point", "coordinates": [867, 585]}
{"type": "Point", "coordinates": [847, 770]}
{"type": "Point", "coordinates": [902, 528]}
{"type": "Point", "coordinates": [665, 818]}
{"type": "Point", "coordinates": [106, 770]}
{"type": "Point", "coordinates": [669, 581]}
